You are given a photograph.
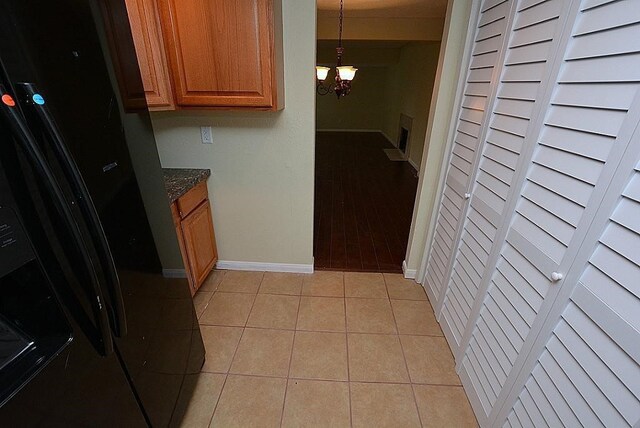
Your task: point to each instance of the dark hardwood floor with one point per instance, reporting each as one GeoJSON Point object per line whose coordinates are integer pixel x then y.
{"type": "Point", "coordinates": [363, 203]}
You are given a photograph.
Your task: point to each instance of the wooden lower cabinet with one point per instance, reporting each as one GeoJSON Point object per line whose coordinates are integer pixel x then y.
{"type": "Point", "coordinates": [196, 235]}
{"type": "Point", "coordinates": [199, 242]}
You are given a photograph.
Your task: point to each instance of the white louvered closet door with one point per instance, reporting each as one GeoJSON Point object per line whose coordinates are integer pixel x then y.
{"type": "Point", "coordinates": [580, 143]}
{"type": "Point", "coordinates": [588, 373]}
{"type": "Point", "coordinates": [487, 44]}
{"type": "Point", "coordinates": [525, 66]}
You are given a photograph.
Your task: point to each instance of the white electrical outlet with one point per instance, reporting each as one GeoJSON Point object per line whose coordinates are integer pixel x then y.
{"type": "Point", "coordinates": [206, 135]}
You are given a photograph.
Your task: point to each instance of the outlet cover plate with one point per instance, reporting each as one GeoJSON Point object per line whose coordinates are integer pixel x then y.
{"type": "Point", "coordinates": [206, 135]}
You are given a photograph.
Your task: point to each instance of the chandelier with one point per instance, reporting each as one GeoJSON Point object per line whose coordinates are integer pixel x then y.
{"type": "Point", "coordinates": [344, 73]}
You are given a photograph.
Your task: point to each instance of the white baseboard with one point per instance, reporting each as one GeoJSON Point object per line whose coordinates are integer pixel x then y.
{"type": "Point", "coordinates": [174, 273]}
{"type": "Point", "coordinates": [395, 143]}
{"type": "Point", "coordinates": [408, 273]}
{"type": "Point", "coordinates": [414, 165]}
{"type": "Point", "coordinates": [264, 267]}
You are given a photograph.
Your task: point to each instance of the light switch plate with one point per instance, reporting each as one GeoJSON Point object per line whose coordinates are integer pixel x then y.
{"type": "Point", "coordinates": [206, 135]}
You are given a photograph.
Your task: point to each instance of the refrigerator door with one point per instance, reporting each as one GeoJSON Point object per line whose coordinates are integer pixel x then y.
{"type": "Point", "coordinates": [51, 373]}
{"type": "Point", "coordinates": [67, 228]}
{"type": "Point", "coordinates": [61, 49]}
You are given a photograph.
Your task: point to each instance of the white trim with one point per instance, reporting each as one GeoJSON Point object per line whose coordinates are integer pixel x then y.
{"type": "Point", "coordinates": [174, 273]}
{"type": "Point", "coordinates": [264, 267]}
{"type": "Point", "coordinates": [414, 165]}
{"type": "Point", "coordinates": [388, 138]}
{"type": "Point", "coordinates": [408, 273]}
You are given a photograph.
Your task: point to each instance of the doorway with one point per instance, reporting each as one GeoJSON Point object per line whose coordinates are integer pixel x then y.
{"type": "Point", "coordinates": [369, 143]}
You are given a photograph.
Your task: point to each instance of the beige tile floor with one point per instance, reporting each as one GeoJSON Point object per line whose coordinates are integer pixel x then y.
{"type": "Point", "coordinates": [329, 349]}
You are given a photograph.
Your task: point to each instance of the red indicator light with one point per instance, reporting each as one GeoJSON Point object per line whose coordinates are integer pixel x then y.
{"type": "Point", "coordinates": [8, 100]}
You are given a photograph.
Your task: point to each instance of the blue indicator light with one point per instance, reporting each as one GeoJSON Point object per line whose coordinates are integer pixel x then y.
{"type": "Point", "coordinates": [37, 98]}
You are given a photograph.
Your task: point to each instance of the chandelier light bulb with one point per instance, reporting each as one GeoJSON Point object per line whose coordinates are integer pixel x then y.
{"type": "Point", "coordinates": [322, 72]}
{"type": "Point", "coordinates": [346, 72]}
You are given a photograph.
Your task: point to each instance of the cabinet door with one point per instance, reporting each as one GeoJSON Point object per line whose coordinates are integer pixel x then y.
{"type": "Point", "coordinates": [591, 357]}
{"type": "Point", "coordinates": [200, 242]}
{"type": "Point", "coordinates": [480, 79]}
{"type": "Point", "coordinates": [588, 114]}
{"type": "Point", "coordinates": [221, 52]}
{"type": "Point", "coordinates": [183, 252]}
{"type": "Point", "coordinates": [144, 82]}
{"type": "Point", "coordinates": [147, 37]}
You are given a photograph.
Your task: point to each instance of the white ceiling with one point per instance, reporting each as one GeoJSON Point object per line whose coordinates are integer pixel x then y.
{"type": "Point", "coordinates": [384, 8]}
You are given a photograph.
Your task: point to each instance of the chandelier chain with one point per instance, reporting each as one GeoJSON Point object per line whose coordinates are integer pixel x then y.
{"type": "Point", "coordinates": [340, 25]}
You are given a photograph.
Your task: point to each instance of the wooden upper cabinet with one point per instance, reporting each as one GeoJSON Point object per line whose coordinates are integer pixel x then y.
{"type": "Point", "coordinates": [222, 53]}
{"type": "Point", "coordinates": [133, 30]}
{"type": "Point", "coordinates": [147, 37]}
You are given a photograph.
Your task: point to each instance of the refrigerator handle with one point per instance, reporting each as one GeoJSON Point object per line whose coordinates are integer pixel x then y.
{"type": "Point", "coordinates": [37, 103]}
{"type": "Point", "coordinates": [10, 112]}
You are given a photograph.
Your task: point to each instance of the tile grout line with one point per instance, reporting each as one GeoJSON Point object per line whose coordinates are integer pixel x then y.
{"type": "Point", "coordinates": [318, 295]}
{"type": "Point", "coordinates": [346, 334]}
{"type": "Point", "coordinates": [234, 354]}
{"type": "Point", "coordinates": [293, 344]}
{"type": "Point", "coordinates": [312, 379]}
{"type": "Point", "coordinates": [289, 377]}
{"type": "Point", "coordinates": [226, 376]}
{"type": "Point", "coordinates": [204, 308]}
{"type": "Point", "coordinates": [404, 357]}
{"type": "Point", "coordinates": [322, 331]}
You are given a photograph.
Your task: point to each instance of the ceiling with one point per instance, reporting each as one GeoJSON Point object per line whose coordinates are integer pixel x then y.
{"type": "Point", "coordinates": [384, 8]}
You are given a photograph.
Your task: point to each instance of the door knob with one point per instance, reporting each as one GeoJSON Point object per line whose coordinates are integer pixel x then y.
{"type": "Point", "coordinates": [556, 276]}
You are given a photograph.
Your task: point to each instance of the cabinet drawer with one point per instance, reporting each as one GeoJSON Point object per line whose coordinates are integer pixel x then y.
{"type": "Point", "coordinates": [190, 200]}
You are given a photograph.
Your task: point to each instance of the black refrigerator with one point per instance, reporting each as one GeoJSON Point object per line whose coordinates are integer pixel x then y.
{"type": "Point", "coordinates": [91, 332]}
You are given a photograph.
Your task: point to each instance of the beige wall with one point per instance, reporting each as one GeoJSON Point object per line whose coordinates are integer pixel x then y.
{"type": "Point", "coordinates": [377, 28]}
{"type": "Point", "coordinates": [440, 118]}
{"type": "Point", "coordinates": [362, 52]}
{"type": "Point", "coordinates": [151, 182]}
{"type": "Point", "coordinates": [364, 109]}
{"type": "Point", "coordinates": [262, 163]}
{"type": "Point", "coordinates": [390, 81]}
{"type": "Point", "coordinates": [410, 86]}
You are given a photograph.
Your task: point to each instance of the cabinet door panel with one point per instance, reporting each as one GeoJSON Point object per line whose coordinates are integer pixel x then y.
{"type": "Point", "coordinates": [183, 251]}
{"type": "Point", "coordinates": [147, 37]}
{"type": "Point", "coordinates": [199, 242]}
{"type": "Point", "coordinates": [221, 51]}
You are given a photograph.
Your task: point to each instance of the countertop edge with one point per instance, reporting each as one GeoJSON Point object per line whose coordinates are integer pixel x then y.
{"type": "Point", "coordinates": [178, 181]}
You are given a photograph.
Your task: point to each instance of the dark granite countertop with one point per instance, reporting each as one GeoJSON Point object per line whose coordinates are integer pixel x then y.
{"type": "Point", "coordinates": [179, 181]}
